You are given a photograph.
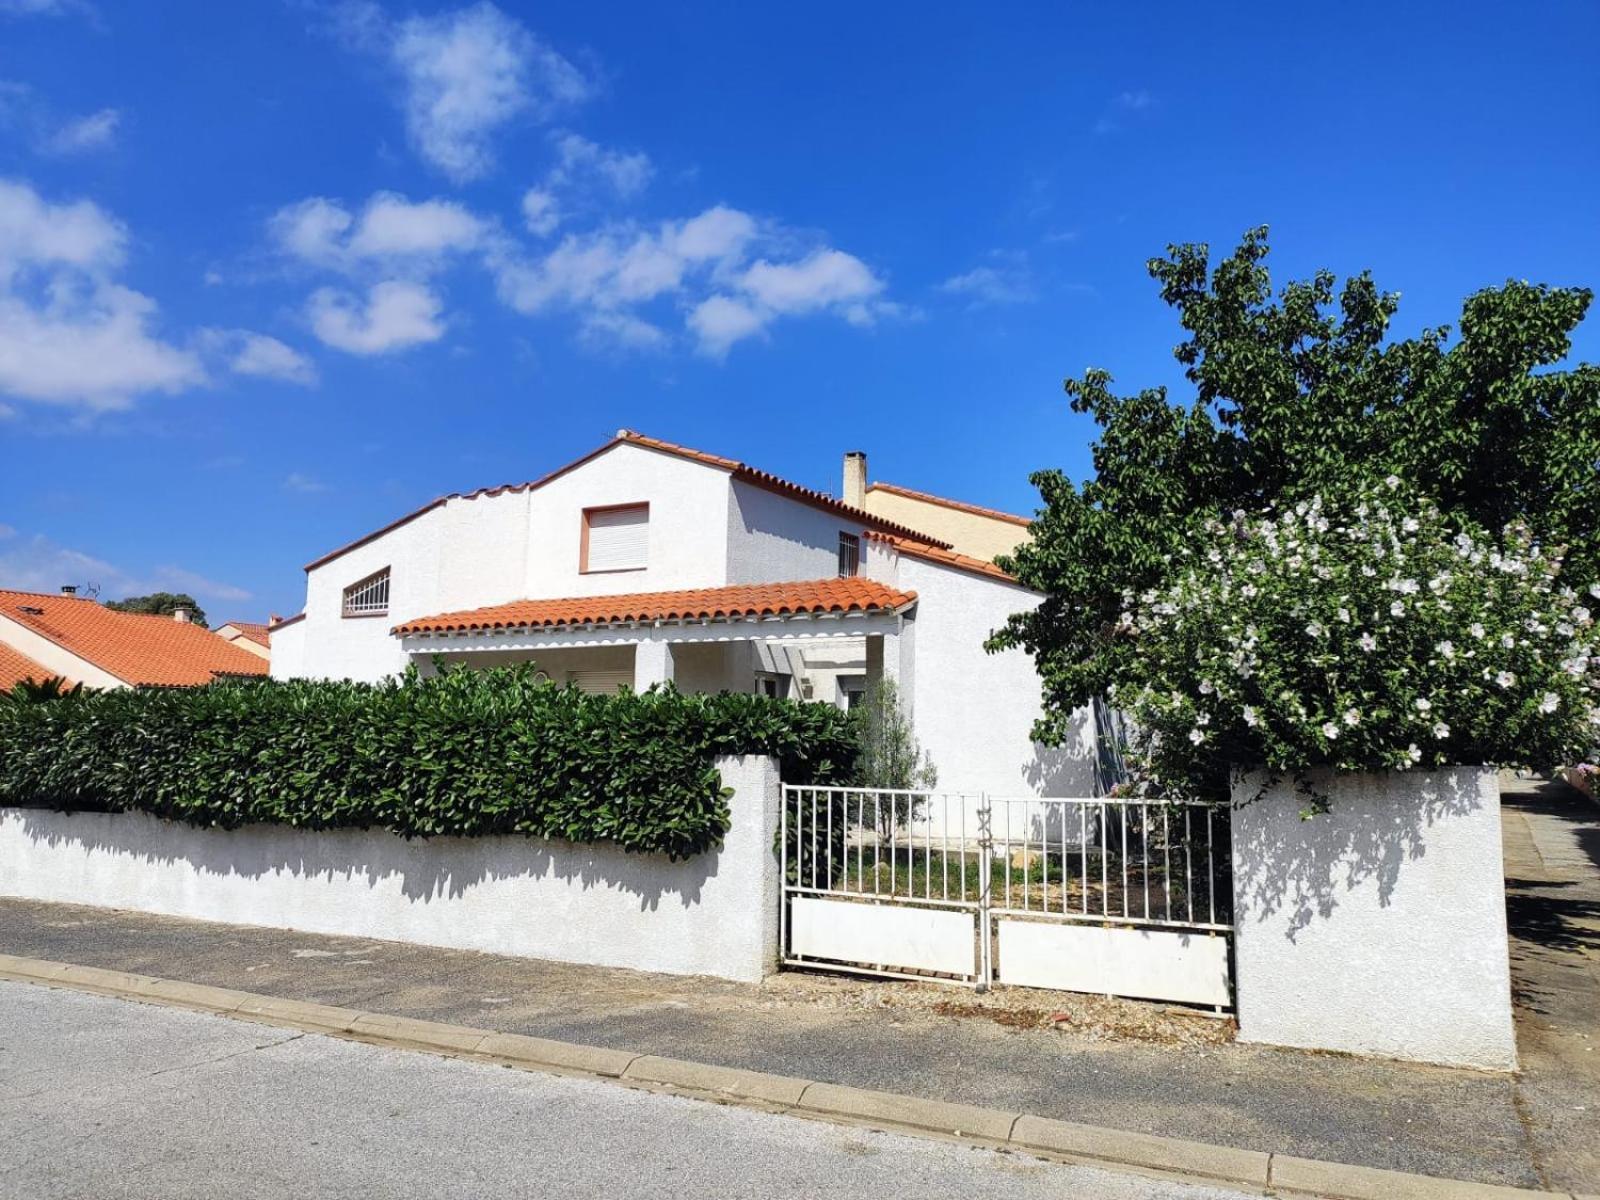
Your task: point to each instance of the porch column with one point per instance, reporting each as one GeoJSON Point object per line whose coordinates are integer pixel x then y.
{"type": "Point", "coordinates": [891, 656]}
{"type": "Point", "coordinates": [652, 663]}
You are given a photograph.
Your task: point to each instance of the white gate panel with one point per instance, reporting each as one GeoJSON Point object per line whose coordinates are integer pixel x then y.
{"type": "Point", "coordinates": [1152, 964]}
{"type": "Point", "coordinates": [927, 939]}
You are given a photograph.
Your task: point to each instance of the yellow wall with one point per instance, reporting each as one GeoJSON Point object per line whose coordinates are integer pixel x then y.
{"type": "Point", "coordinates": [970, 533]}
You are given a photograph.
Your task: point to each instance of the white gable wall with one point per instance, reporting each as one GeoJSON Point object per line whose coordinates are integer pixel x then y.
{"type": "Point", "coordinates": [773, 538]}
{"type": "Point", "coordinates": [973, 711]}
{"type": "Point", "coordinates": [688, 525]}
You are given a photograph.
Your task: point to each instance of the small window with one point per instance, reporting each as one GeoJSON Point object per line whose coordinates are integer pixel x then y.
{"type": "Point", "coordinates": [368, 597]}
{"type": "Point", "coordinates": [849, 554]}
{"type": "Point", "coordinates": [776, 686]}
{"type": "Point", "coordinates": [852, 691]}
{"type": "Point", "coordinates": [615, 539]}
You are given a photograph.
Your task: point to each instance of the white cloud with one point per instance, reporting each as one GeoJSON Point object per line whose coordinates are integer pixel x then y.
{"type": "Point", "coordinates": [1005, 281]}
{"type": "Point", "coordinates": [390, 232]}
{"type": "Point", "coordinates": [541, 212]}
{"type": "Point", "coordinates": [45, 8]}
{"type": "Point", "coordinates": [395, 315]}
{"type": "Point", "coordinates": [263, 357]}
{"type": "Point", "coordinates": [466, 74]}
{"type": "Point", "coordinates": [303, 484]}
{"type": "Point", "coordinates": [95, 132]}
{"type": "Point", "coordinates": [38, 564]}
{"type": "Point", "coordinates": [1122, 106]}
{"type": "Point", "coordinates": [622, 329]}
{"type": "Point", "coordinates": [69, 333]}
{"type": "Point", "coordinates": [720, 321]}
{"type": "Point", "coordinates": [824, 279]}
{"type": "Point", "coordinates": [578, 157]}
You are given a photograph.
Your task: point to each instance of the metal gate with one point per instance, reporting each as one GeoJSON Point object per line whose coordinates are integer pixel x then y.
{"type": "Point", "coordinates": [1117, 896]}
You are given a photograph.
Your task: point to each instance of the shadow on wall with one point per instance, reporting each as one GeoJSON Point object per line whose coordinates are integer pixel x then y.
{"type": "Point", "coordinates": [1069, 769]}
{"type": "Point", "coordinates": [443, 867]}
{"type": "Point", "coordinates": [1299, 866]}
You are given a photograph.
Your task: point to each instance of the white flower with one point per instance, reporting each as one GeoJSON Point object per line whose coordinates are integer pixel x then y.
{"type": "Point", "coordinates": [1441, 730]}
{"type": "Point", "coordinates": [1446, 648]}
{"type": "Point", "coordinates": [1352, 718]}
{"type": "Point", "coordinates": [1368, 643]}
{"type": "Point", "coordinates": [1414, 754]}
{"type": "Point", "coordinates": [1505, 679]}
{"type": "Point", "coordinates": [1315, 629]}
{"type": "Point", "coordinates": [1206, 687]}
{"type": "Point", "coordinates": [1476, 630]}
{"type": "Point", "coordinates": [1507, 641]}
{"type": "Point", "coordinates": [1393, 481]}
{"type": "Point", "coordinates": [1409, 524]}
{"type": "Point", "coordinates": [1423, 704]}
{"type": "Point", "coordinates": [1250, 717]}
{"type": "Point", "coordinates": [1580, 614]}
{"type": "Point", "coordinates": [1594, 590]}
{"type": "Point", "coordinates": [1549, 702]}
{"type": "Point", "coordinates": [1397, 609]}
{"type": "Point", "coordinates": [1344, 615]}
{"type": "Point", "coordinates": [1196, 736]}
{"type": "Point", "coordinates": [1330, 730]}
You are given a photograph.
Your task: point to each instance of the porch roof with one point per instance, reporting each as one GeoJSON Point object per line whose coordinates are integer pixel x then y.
{"type": "Point", "coordinates": [761, 601]}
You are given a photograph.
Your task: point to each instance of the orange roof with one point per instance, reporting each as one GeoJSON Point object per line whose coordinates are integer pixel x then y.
{"type": "Point", "coordinates": [256, 631]}
{"type": "Point", "coordinates": [740, 602]}
{"type": "Point", "coordinates": [945, 558]}
{"type": "Point", "coordinates": [16, 666]}
{"type": "Point", "coordinates": [738, 469]}
{"type": "Point", "coordinates": [959, 505]}
{"type": "Point", "coordinates": [144, 651]}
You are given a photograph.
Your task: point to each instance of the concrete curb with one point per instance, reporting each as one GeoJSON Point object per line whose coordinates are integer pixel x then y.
{"type": "Point", "coordinates": [1090, 1145]}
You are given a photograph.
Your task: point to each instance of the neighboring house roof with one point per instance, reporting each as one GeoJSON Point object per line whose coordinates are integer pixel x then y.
{"type": "Point", "coordinates": [960, 505]}
{"type": "Point", "coordinates": [280, 622]}
{"type": "Point", "coordinates": [16, 666]}
{"type": "Point", "coordinates": [817, 597]}
{"type": "Point", "coordinates": [739, 470]}
{"type": "Point", "coordinates": [140, 650]}
{"type": "Point", "coordinates": [945, 558]}
{"type": "Point", "coordinates": [256, 631]}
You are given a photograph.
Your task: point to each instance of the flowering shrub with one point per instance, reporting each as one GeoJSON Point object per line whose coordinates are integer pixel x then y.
{"type": "Point", "coordinates": [1360, 636]}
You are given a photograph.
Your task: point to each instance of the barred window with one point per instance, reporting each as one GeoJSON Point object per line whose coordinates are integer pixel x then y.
{"type": "Point", "coordinates": [368, 597]}
{"type": "Point", "coordinates": [849, 554]}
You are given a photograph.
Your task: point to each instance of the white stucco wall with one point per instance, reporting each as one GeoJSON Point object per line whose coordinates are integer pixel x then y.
{"type": "Point", "coordinates": [1378, 928]}
{"type": "Point", "coordinates": [773, 538]}
{"type": "Point", "coordinates": [715, 914]}
{"type": "Point", "coordinates": [974, 711]}
{"type": "Point", "coordinates": [688, 524]}
{"type": "Point", "coordinates": [288, 651]}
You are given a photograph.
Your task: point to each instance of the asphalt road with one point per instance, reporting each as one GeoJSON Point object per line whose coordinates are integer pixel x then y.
{"type": "Point", "coordinates": [105, 1098]}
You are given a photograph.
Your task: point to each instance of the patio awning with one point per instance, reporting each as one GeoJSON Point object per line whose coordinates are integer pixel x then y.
{"type": "Point", "coordinates": [818, 598]}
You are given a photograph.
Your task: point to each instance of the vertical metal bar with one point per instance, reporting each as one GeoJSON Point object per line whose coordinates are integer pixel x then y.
{"type": "Point", "coordinates": [861, 842]}
{"type": "Point", "coordinates": [783, 876]}
{"type": "Point", "coordinates": [1122, 821]}
{"type": "Point", "coordinates": [832, 797]}
{"type": "Point", "coordinates": [985, 865]}
{"type": "Point", "coordinates": [1006, 902]}
{"type": "Point", "coordinates": [1064, 869]}
{"type": "Point", "coordinates": [892, 866]}
{"type": "Point", "coordinates": [961, 806]}
{"type": "Point", "coordinates": [813, 837]}
{"type": "Point", "coordinates": [1083, 847]}
{"type": "Point", "coordinates": [1105, 854]}
{"type": "Point", "coordinates": [944, 843]}
{"type": "Point", "coordinates": [927, 849]}
{"type": "Point", "coordinates": [1144, 867]}
{"type": "Point", "coordinates": [1211, 869]}
{"type": "Point", "coordinates": [1188, 859]}
{"type": "Point", "coordinates": [1166, 838]}
{"type": "Point", "coordinates": [1027, 872]}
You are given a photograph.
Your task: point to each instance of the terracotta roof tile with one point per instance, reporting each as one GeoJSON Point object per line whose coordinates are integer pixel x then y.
{"type": "Point", "coordinates": [945, 558]}
{"type": "Point", "coordinates": [739, 602]}
{"type": "Point", "coordinates": [627, 436]}
{"type": "Point", "coordinates": [256, 631]}
{"type": "Point", "coordinates": [16, 666]}
{"type": "Point", "coordinates": [145, 651]}
{"type": "Point", "coordinates": [959, 505]}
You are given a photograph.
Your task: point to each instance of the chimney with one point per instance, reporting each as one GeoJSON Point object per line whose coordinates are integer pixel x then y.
{"type": "Point", "coordinates": [855, 479]}
{"type": "Point", "coordinates": [69, 589]}
{"type": "Point", "coordinates": [181, 615]}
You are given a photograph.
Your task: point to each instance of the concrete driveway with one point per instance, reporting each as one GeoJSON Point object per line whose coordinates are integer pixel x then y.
{"type": "Point", "coordinates": [103, 1098]}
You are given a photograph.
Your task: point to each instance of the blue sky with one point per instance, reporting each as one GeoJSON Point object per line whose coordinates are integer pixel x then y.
{"type": "Point", "coordinates": [273, 273]}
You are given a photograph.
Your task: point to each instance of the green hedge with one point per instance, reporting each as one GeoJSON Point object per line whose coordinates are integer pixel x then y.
{"type": "Point", "coordinates": [468, 753]}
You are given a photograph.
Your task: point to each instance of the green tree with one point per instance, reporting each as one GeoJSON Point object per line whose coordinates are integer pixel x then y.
{"type": "Point", "coordinates": [889, 756]}
{"type": "Point", "coordinates": [161, 604]}
{"type": "Point", "coordinates": [1300, 393]}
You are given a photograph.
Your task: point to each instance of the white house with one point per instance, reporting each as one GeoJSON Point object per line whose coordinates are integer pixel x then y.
{"type": "Point", "coordinates": [645, 561]}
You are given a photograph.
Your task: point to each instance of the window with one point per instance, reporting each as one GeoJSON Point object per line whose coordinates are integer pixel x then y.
{"type": "Point", "coordinates": [849, 553]}
{"type": "Point", "coordinates": [368, 597]}
{"type": "Point", "coordinates": [776, 686]}
{"type": "Point", "coordinates": [615, 538]}
{"type": "Point", "coordinates": [852, 691]}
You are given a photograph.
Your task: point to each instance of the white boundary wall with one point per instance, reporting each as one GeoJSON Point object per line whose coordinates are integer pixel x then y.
{"type": "Point", "coordinates": [714, 914]}
{"type": "Point", "coordinates": [1378, 928]}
